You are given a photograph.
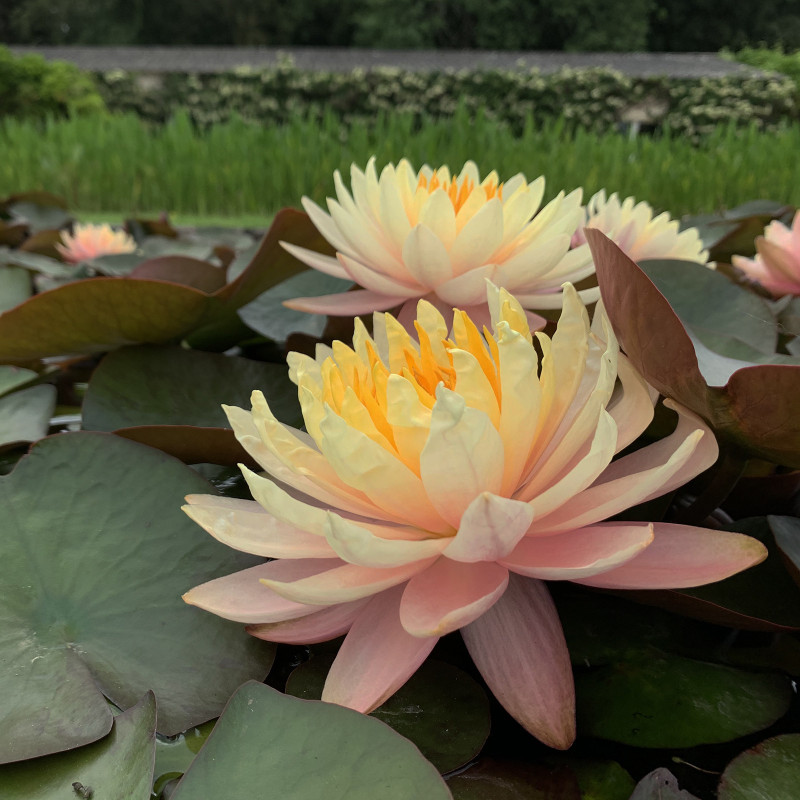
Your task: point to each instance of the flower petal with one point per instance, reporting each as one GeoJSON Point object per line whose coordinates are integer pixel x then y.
{"type": "Point", "coordinates": [450, 594]}
{"type": "Point", "coordinates": [242, 597]}
{"type": "Point", "coordinates": [519, 648]}
{"type": "Point", "coordinates": [346, 304]}
{"type": "Point", "coordinates": [490, 528]}
{"type": "Point", "coordinates": [682, 556]}
{"type": "Point", "coordinates": [426, 257]}
{"type": "Point", "coordinates": [321, 626]}
{"type": "Point", "coordinates": [326, 264]}
{"type": "Point", "coordinates": [376, 658]}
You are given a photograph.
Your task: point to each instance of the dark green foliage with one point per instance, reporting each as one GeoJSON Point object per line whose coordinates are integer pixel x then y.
{"type": "Point", "coordinates": [31, 86]}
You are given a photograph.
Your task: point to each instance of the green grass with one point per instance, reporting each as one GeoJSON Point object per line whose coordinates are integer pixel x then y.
{"type": "Point", "coordinates": [119, 164]}
{"type": "Point", "coordinates": [251, 221]}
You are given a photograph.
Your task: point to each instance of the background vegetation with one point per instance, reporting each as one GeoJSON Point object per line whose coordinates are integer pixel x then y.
{"type": "Point", "coordinates": [620, 25]}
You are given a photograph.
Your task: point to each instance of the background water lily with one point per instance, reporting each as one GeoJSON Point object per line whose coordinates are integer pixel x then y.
{"type": "Point", "coordinates": [91, 241]}
{"type": "Point", "coordinates": [408, 234]}
{"type": "Point", "coordinates": [439, 485]}
{"type": "Point", "coordinates": [776, 266]}
{"type": "Point", "coordinates": [637, 232]}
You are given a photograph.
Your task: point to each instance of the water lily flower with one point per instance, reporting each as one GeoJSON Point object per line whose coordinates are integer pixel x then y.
{"type": "Point", "coordinates": [632, 227]}
{"type": "Point", "coordinates": [777, 264]}
{"type": "Point", "coordinates": [428, 234]}
{"type": "Point", "coordinates": [440, 483]}
{"type": "Point", "coordinates": [90, 241]}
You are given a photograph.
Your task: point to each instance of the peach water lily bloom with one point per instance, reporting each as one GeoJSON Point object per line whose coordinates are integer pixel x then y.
{"type": "Point", "coordinates": [634, 229]}
{"type": "Point", "coordinates": [409, 234]}
{"type": "Point", "coordinates": [777, 264]}
{"type": "Point", "coordinates": [90, 241]}
{"type": "Point", "coordinates": [440, 483]}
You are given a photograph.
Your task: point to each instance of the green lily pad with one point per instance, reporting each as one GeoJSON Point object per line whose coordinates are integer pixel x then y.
{"type": "Point", "coordinates": [496, 779]}
{"type": "Point", "coordinates": [96, 556]}
{"type": "Point", "coordinates": [756, 409]}
{"type": "Point", "coordinates": [601, 780]}
{"type": "Point", "coordinates": [118, 767]}
{"type": "Point", "coordinates": [669, 701]}
{"type": "Point", "coordinates": [768, 770]}
{"type": "Point", "coordinates": [786, 531]}
{"type": "Point", "coordinates": [40, 214]}
{"type": "Point", "coordinates": [116, 265]}
{"type": "Point", "coordinates": [303, 749]}
{"type": "Point", "coordinates": [25, 415]}
{"type": "Point", "coordinates": [35, 262]}
{"type": "Point", "coordinates": [15, 287]}
{"type": "Point", "coordinates": [173, 386]}
{"type": "Point", "coordinates": [12, 378]}
{"type": "Point", "coordinates": [174, 754]}
{"type": "Point", "coordinates": [660, 784]}
{"type": "Point", "coordinates": [441, 709]}
{"type": "Point", "coordinates": [268, 316]}
{"type": "Point", "coordinates": [737, 323]}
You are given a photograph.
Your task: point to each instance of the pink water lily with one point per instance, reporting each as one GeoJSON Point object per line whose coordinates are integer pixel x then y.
{"type": "Point", "coordinates": [777, 265]}
{"type": "Point", "coordinates": [635, 229]}
{"type": "Point", "coordinates": [409, 234]}
{"type": "Point", "coordinates": [91, 241]}
{"type": "Point", "coordinates": [440, 483]}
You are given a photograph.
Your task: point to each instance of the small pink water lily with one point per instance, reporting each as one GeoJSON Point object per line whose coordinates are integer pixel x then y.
{"type": "Point", "coordinates": [440, 483]}
{"type": "Point", "coordinates": [91, 241]}
{"type": "Point", "coordinates": [634, 229]}
{"type": "Point", "coordinates": [777, 264]}
{"type": "Point", "coordinates": [428, 234]}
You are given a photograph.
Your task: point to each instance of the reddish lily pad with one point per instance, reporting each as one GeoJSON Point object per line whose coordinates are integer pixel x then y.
{"type": "Point", "coordinates": [441, 709]}
{"type": "Point", "coordinates": [498, 779]}
{"type": "Point", "coordinates": [92, 316]}
{"type": "Point", "coordinates": [669, 701]}
{"type": "Point", "coordinates": [768, 770]}
{"type": "Point", "coordinates": [303, 749]}
{"type": "Point", "coordinates": [756, 409]}
{"type": "Point", "coordinates": [183, 270]}
{"type": "Point", "coordinates": [118, 767]}
{"type": "Point", "coordinates": [96, 555]}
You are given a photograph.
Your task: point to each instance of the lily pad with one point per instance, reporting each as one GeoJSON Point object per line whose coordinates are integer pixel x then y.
{"type": "Point", "coordinates": [96, 556]}
{"type": "Point", "coordinates": [669, 701]}
{"type": "Point", "coordinates": [268, 316]}
{"type": "Point", "coordinates": [302, 749]}
{"type": "Point", "coordinates": [786, 531]}
{"type": "Point", "coordinates": [498, 779]}
{"type": "Point", "coordinates": [118, 767]}
{"type": "Point", "coordinates": [768, 770]}
{"type": "Point", "coordinates": [174, 754]}
{"type": "Point", "coordinates": [25, 415]}
{"type": "Point", "coordinates": [174, 386]}
{"type": "Point", "coordinates": [15, 287]}
{"type": "Point", "coordinates": [182, 269]}
{"type": "Point", "coordinates": [12, 378]}
{"type": "Point", "coordinates": [755, 411]}
{"type": "Point", "coordinates": [441, 709]}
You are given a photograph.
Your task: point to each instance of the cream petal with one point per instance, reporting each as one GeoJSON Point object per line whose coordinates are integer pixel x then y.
{"type": "Point", "coordinates": [438, 216]}
{"type": "Point", "coordinates": [450, 594]}
{"type": "Point", "coordinates": [682, 556]}
{"type": "Point", "coordinates": [379, 474]}
{"type": "Point", "coordinates": [519, 648]}
{"type": "Point", "coordinates": [581, 553]}
{"type": "Point", "coordinates": [321, 626]}
{"type": "Point", "coordinates": [323, 263]}
{"type": "Point", "coordinates": [244, 525]}
{"type": "Point", "coordinates": [376, 658]}
{"type": "Point", "coordinates": [467, 289]}
{"type": "Point", "coordinates": [632, 410]}
{"type": "Point", "coordinates": [242, 597]}
{"type": "Point", "coordinates": [462, 458]}
{"type": "Point", "coordinates": [479, 238]}
{"type": "Point", "coordinates": [426, 257]}
{"type": "Point", "coordinates": [371, 546]}
{"type": "Point", "coordinates": [473, 385]}
{"type": "Point", "coordinates": [490, 528]}
{"type": "Point", "coordinates": [369, 278]}
{"type": "Point", "coordinates": [394, 219]}
{"type": "Point", "coordinates": [346, 304]}
{"type": "Point", "coordinates": [326, 226]}
{"type": "Point", "coordinates": [526, 267]}
{"type": "Point", "coordinates": [553, 300]}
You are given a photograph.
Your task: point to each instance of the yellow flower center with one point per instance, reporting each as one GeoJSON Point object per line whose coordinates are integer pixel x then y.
{"type": "Point", "coordinates": [459, 192]}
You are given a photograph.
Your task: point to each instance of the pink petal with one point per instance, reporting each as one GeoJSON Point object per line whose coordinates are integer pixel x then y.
{"type": "Point", "coordinates": [682, 556]}
{"type": "Point", "coordinates": [450, 594]}
{"type": "Point", "coordinates": [519, 648]}
{"type": "Point", "coordinates": [323, 263]}
{"type": "Point", "coordinates": [367, 277]}
{"type": "Point", "coordinates": [344, 583]}
{"type": "Point", "coordinates": [377, 657]}
{"type": "Point", "coordinates": [490, 528]}
{"type": "Point", "coordinates": [575, 554]}
{"type": "Point", "coordinates": [346, 304]}
{"type": "Point", "coordinates": [242, 597]}
{"type": "Point", "coordinates": [321, 626]}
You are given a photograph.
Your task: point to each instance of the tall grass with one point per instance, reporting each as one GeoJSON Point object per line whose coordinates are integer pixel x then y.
{"type": "Point", "coordinates": [121, 164]}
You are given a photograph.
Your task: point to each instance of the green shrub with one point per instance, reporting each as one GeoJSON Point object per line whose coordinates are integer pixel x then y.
{"type": "Point", "coordinates": [33, 87]}
{"type": "Point", "coordinates": [595, 99]}
{"type": "Point", "coordinates": [774, 59]}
